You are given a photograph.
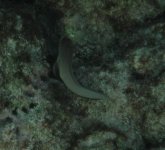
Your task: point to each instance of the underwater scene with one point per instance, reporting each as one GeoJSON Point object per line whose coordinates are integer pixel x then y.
{"type": "Point", "coordinates": [82, 74]}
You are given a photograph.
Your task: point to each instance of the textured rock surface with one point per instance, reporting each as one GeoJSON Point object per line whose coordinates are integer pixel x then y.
{"type": "Point", "coordinates": [119, 50]}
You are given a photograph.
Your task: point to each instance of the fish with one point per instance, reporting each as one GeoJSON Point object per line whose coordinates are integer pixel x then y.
{"type": "Point", "coordinates": [64, 64]}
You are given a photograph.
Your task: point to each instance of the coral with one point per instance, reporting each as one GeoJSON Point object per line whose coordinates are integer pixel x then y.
{"type": "Point", "coordinates": [119, 51]}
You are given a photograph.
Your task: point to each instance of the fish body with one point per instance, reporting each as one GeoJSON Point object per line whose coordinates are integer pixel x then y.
{"type": "Point", "coordinates": [64, 63]}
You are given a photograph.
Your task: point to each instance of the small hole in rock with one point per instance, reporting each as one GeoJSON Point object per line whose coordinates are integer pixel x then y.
{"type": "Point", "coordinates": [32, 105]}
{"type": "Point", "coordinates": [6, 104]}
{"type": "Point", "coordinates": [24, 110]}
{"type": "Point", "coordinates": [9, 120]}
{"type": "Point", "coordinates": [14, 112]}
{"type": "Point", "coordinates": [44, 78]}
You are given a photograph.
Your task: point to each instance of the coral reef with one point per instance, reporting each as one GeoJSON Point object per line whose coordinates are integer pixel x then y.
{"type": "Point", "coordinates": [119, 51]}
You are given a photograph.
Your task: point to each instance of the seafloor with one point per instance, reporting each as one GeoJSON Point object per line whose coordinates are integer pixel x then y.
{"type": "Point", "coordinates": [119, 50]}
